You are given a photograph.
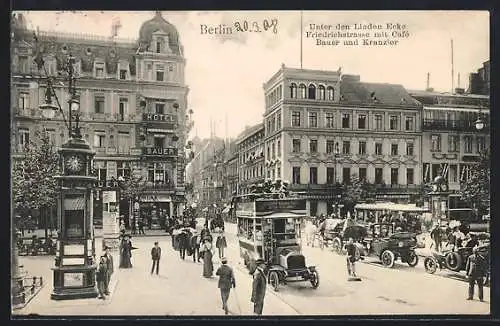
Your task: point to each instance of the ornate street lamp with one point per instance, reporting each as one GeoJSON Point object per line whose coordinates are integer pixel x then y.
{"type": "Point", "coordinates": [75, 265]}
{"type": "Point", "coordinates": [479, 124]}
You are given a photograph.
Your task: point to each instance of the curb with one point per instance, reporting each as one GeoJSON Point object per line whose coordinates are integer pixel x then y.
{"type": "Point", "coordinates": [22, 305]}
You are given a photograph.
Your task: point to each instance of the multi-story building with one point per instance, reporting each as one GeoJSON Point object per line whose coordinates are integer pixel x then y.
{"type": "Point", "coordinates": [250, 157]}
{"type": "Point", "coordinates": [206, 172]}
{"type": "Point", "coordinates": [231, 171]}
{"type": "Point", "coordinates": [321, 128]}
{"type": "Point", "coordinates": [479, 82]}
{"type": "Point", "coordinates": [127, 92]}
{"type": "Point", "coordinates": [450, 140]}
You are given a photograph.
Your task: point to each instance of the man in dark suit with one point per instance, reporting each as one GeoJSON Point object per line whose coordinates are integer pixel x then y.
{"type": "Point", "coordinates": [183, 243]}
{"type": "Point", "coordinates": [226, 280]}
{"type": "Point", "coordinates": [476, 270]}
{"type": "Point", "coordinates": [155, 256]}
{"type": "Point", "coordinates": [258, 287]}
{"type": "Point", "coordinates": [109, 269]}
{"type": "Point", "coordinates": [351, 258]}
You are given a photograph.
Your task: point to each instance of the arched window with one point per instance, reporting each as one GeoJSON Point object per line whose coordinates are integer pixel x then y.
{"type": "Point", "coordinates": [321, 89]}
{"type": "Point", "coordinates": [312, 92]}
{"type": "Point", "coordinates": [159, 45]}
{"type": "Point", "coordinates": [293, 90]}
{"type": "Point", "coordinates": [302, 91]}
{"type": "Point", "coordinates": [330, 93]}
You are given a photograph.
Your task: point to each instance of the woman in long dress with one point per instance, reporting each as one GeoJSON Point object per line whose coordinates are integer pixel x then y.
{"type": "Point", "coordinates": [208, 267]}
{"type": "Point", "coordinates": [125, 253]}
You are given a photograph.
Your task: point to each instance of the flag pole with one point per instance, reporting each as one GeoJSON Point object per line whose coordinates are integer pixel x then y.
{"type": "Point", "coordinates": [301, 32]}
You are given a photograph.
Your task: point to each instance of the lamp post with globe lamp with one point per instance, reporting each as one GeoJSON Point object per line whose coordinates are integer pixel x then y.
{"type": "Point", "coordinates": [75, 266]}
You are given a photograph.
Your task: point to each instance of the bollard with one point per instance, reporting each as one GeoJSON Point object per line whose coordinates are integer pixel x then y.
{"type": "Point", "coordinates": [34, 280]}
{"type": "Point", "coordinates": [41, 281]}
{"type": "Point", "coordinates": [32, 289]}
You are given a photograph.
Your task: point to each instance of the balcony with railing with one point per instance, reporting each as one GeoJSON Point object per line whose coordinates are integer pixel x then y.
{"type": "Point", "coordinates": [25, 112]}
{"type": "Point", "coordinates": [452, 125]}
{"type": "Point", "coordinates": [383, 188]}
{"type": "Point", "coordinates": [392, 188]}
{"type": "Point", "coordinates": [315, 187]}
{"type": "Point", "coordinates": [159, 185]}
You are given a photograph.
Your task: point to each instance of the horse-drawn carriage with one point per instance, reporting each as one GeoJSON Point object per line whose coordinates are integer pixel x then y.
{"type": "Point", "coordinates": [269, 229]}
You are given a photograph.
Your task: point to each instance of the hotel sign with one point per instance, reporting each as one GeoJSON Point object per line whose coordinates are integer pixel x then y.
{"type": "Point", "coordinates": [156, 117]}
{"type": "Point", "coordinates": [159, 151]}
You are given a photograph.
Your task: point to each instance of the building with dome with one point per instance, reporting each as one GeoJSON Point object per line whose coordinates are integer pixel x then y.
{"type": "Point", "coordinates": [127, 92]}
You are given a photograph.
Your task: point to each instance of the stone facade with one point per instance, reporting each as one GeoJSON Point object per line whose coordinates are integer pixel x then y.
{"type": "Point", "coordinates": [250, 145]}
{"type": "Point", "coordinates": [322, 127]}
{"type": "Point", "coordinates": [450, 141]}
{"type": "Point", "coordinates": [127, 92]}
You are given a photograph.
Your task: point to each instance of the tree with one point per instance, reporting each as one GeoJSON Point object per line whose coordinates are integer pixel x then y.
{"type": "Point", "coordinates": [356, 191]}
{"type": "Point", "coordinates": [131, 188]}
{"type": "Point", "coordinates": [33, 184]}
{"type": "Point", "coordinates": [476, 189]}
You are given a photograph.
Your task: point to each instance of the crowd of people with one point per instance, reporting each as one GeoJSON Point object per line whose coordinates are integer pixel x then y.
{"type": "Point", "coordinates": [200, 245]}
{"type": "Point", "coordinates": [451, 238]}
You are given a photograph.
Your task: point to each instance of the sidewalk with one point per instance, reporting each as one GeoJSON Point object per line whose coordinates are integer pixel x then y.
{"type": "Point", "coordinates": [40, 233]}
{"type": "Point", "coordinates": [149, 233]}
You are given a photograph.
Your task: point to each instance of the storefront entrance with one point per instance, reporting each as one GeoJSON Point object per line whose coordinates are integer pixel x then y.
{"type": "Point", "coordinates": [154, 214]}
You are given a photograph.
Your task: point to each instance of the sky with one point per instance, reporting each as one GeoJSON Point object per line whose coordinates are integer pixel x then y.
{"type": "Point", "coordinates": [225, 72]}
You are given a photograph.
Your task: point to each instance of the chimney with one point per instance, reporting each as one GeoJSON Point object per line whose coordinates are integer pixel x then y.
{"type": "Point", "coordinates": [428, 88]}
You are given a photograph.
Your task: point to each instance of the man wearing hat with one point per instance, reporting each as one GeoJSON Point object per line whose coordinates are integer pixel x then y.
{"type": "Point", "coordinates": [258, 287]}
{"type": "Point", "coordinates": [226, 280]}
{"type": "Point", "coordinates": [101, 277]}
{"type": "Point", "coordinates": [476, 270]}
{"type": "Point", "coordinates": [109, 268]}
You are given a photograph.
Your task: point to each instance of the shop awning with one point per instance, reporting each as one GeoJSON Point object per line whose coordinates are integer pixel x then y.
{"type": "Point", "coordinates": [164, 131]}
{"type": "Point", "coordinates": [226, 210]}
{"type": "Point", "coordinates": [205, 209]}
{"type": "Point", "coordinates": [391, 207]}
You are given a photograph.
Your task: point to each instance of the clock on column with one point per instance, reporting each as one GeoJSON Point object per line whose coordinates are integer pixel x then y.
{"type": "Point", "coordinates": [74, 164]}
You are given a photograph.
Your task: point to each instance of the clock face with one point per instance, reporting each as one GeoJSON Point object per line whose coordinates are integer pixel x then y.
{"type": "Point", "coordinates": [74, 163]}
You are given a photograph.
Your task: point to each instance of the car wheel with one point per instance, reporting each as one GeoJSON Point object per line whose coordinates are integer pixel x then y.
{"type": "Point", "coordinates": [337, 245]}
{"type": "Point", "coordinates": [412, 259]}
{"type": "Point", "coordinates": [274, 280]}
{"type": "Point", "coordinates": [453, 261]}
{"type": "Point", "coordinates": [314, 279]}
{"type": "Point", "coordinates": [387, 257]}
{"type": "Point", "coordinates": [430, 265]}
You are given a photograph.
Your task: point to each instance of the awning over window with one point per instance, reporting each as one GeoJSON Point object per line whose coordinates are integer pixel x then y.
{"type": "Point", "coordinates": [164, 131]}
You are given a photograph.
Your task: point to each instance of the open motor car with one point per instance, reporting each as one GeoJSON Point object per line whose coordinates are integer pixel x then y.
{"type": "Point", "coordinates": [456, 260]}
{"type": "Point", "coordinates": [383, 243]}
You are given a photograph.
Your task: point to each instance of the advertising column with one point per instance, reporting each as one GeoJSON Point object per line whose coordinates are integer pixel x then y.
{"type": "Point", "coordinates": [110, 219]}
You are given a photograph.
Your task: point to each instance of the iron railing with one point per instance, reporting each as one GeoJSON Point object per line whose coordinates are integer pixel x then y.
{"type": "Point", "coordinates": [454, 125]}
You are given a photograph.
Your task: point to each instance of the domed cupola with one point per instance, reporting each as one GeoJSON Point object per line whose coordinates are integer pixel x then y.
{"type": "Point", "coordinates": [157, 26]}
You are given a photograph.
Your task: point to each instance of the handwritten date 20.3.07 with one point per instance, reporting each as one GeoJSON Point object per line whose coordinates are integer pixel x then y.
{"type": "Point", "coordinates": [254, 26]}
{"type": "Point", "coordinates": [245, 26]}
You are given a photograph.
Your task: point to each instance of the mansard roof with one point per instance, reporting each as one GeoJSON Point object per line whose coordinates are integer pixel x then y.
{"type": "Point", "coordinates": [375, 93]}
